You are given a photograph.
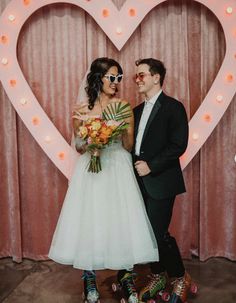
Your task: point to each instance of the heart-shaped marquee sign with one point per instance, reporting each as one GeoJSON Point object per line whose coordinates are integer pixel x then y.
{"type": "Point", "coordinates": [118, 26]}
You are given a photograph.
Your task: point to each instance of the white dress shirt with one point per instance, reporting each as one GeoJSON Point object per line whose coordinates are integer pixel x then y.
{"type": "Point", "coordinates": [143, 121]}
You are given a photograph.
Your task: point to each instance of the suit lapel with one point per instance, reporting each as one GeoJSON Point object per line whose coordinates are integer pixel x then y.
{"type": "Point", "coordinates": [154, 111]}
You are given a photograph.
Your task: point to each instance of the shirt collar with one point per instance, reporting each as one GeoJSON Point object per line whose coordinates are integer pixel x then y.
{"type": "Point", "coordinates": [154, 98]}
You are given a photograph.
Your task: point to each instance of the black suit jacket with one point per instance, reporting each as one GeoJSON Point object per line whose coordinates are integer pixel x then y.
{"type": "Point", "coordinates": [164, 140]}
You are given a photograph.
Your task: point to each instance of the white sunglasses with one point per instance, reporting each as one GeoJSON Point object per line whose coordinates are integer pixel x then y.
{"type": "Point", "coordinates": [113, 78]}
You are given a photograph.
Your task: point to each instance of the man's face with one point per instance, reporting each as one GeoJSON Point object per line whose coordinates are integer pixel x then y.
{"type": "Point", "coordinates": [146, 83]}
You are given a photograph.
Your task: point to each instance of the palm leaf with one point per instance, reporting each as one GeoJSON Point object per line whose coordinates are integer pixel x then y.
{"type": "Point", "coordinates": [117, 111]}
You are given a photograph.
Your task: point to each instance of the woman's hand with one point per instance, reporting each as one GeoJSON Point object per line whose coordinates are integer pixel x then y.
{"type": "Point", "coordinates": [94, 152]}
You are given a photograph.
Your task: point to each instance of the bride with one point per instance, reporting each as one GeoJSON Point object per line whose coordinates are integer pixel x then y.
{"type": "Point", "coordinates": [103, 223]}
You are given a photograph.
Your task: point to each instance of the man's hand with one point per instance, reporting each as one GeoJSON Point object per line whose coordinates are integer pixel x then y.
{"type": "Point", "coordinates": [142, 168]}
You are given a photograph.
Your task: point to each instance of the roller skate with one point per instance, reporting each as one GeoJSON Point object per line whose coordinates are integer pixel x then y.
{"type": "Point", "coordinates": [181, 288]}
{"type": "Point", "coordinates": [126, 284]}
{"type": "Point", "coordinates": [155, 287]}
{"type": "Point", "coordinates": [91, 294]}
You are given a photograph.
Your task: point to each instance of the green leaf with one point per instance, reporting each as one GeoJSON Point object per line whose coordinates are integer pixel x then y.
{"type": "Point", "coordinates": [117, 111]}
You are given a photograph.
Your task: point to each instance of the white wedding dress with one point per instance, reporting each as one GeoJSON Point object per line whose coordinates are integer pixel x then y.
{"type": "Point", "coordinates": [103, 223]}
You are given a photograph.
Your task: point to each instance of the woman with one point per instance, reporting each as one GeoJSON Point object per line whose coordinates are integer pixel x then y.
{"type": "Point", "coordinates": [103, 223]}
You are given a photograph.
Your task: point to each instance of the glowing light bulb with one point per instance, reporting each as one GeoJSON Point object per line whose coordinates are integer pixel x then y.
{"type": "Point", "coordinates": [105, 13]}
{"type": "Point", "coordinates": [4, 39]}
{"type": "Point", "coordinates": [12, 82]}
{"type": "Point", "coordinates": [35, 121]}
{"type": "Point", "coordinates": [27, 2]}
{"type": "Point", "coordinates": [132, 12]}
{"type": "Point", "coordinates": [4, 61]}
{"type": "Point", "coordinates": [195, 136]}
{"type": "Point", "coordinates": [11, 18]}
{"type": "Point", "coordinates": [48, 139]}
{"type": "Point", "coordinates": [207, 118]}
{"type": "Point", "coordinates": [219, 98]}
{"type": "Point", "coordinates": [229, 78]}
{"type": "Point", "coordinates": [229, 10]}
{"type": "Point", "coordinates": [23, 101]}
{"type": "Point", "coordinates": [119, 30]}
{"type": "Point", "coordinates": [61, 155]}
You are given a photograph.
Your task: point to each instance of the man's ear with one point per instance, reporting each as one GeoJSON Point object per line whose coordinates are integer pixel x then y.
{"type": "Point", "coordinates": [156, 79]}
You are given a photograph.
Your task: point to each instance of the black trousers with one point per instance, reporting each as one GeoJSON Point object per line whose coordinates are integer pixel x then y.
{"type": "Point", "coordinates": [160, 213]}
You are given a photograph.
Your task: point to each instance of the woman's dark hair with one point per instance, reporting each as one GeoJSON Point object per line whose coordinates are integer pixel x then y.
{"type": "Point", "coordinates": [155, 67]}
{"type": "Point", "coordinates": [98, 69]}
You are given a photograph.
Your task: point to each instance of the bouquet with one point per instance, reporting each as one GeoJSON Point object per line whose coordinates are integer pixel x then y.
{"type": "Point", "coordinates": [98, 133]}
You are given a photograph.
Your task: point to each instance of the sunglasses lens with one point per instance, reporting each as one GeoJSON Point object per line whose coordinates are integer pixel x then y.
{"type": "Point", "coordinates": [112, 79]}
{"type": "Point", "coordinates": [119, 78]}
{"type": "Point", "coordinates": [139, 77]}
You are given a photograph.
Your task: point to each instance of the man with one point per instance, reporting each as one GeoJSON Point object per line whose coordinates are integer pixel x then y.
{"type": "Point", "coordinates": [161, 134]}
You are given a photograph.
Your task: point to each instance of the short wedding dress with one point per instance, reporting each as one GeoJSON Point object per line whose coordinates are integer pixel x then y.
{"type": "Point", "coordinates": [103, 222]}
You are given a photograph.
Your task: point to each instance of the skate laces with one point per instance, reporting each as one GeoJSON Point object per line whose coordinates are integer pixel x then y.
{"type": "Point", "coordinates": [156, 282]}
{"type": "Point", "coordinates": [128, 284]}
{"type": "Point", "coordinates": [89, 277]}
{"type": "Point", "coordinates": [180, 285]}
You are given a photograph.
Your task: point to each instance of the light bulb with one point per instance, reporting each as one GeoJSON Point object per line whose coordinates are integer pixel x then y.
{"type": "Point", "coordinates": [132, 12]}
{"type": "Point", "coordinates": [195, 136]}
{"type": "Point", "coordinates": [4, 39]}
{"type": "Point", "coordinates": [27, 2]}
{"type": "Point", "coordinates": [105, 13]}
{"type": "Point", "coordinates": [119, 30]}
{"type": "Point", "coordinates": [207, 118]}
{"type": "Point", "coordinates": [35, 121]}
{"type": "Point", "coordinates": [12, 82]}
{"type": "Point", "coordinates": [48, 139]}
{"type": "Point", "coordinates": [229, 10]}
{"type": "Point", "coordinates": [4, 61]}
{"type": "Point", "coordinates": [23, 101]}
{"type": "Point", "coordinates": [219, 98]}
{"type": "Point", "coordinates": [11, 18]}
{"type": "Point", "coordinates": [61, 155]}
{"type": "Point", "coordinates": [229, 78]}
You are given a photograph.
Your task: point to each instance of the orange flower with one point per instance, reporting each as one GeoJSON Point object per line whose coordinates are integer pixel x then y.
{"type": "Point", "coordinates": [106, 131]}
{"type": "Point", "coordinates": [103, 138]}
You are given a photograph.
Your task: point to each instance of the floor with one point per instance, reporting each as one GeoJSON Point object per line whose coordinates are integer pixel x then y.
{"type": "Point", "coordinates": [46, 282]}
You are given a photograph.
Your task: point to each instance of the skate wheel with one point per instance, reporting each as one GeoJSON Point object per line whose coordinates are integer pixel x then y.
{"type": "Point", "coordinates": [165, 296]}
{"type": "Point", "coordinates": [193, 288]}
{"type": "Point", "coordinates": [122, 300]}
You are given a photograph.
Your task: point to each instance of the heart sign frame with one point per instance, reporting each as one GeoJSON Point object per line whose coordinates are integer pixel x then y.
{"type": "Point", "coordinates": [118, 25]}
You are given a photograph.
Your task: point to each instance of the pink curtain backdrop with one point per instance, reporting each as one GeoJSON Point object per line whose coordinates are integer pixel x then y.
{"type": "Point", "coordinates": [55, 47]}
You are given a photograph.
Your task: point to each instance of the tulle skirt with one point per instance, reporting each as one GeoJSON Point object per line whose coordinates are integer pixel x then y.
{"type": "Point", "coordinates": [103, 222]}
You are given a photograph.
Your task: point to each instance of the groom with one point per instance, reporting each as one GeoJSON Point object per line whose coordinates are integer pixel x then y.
{"type": "Point", "coordinates": [161, 137]}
